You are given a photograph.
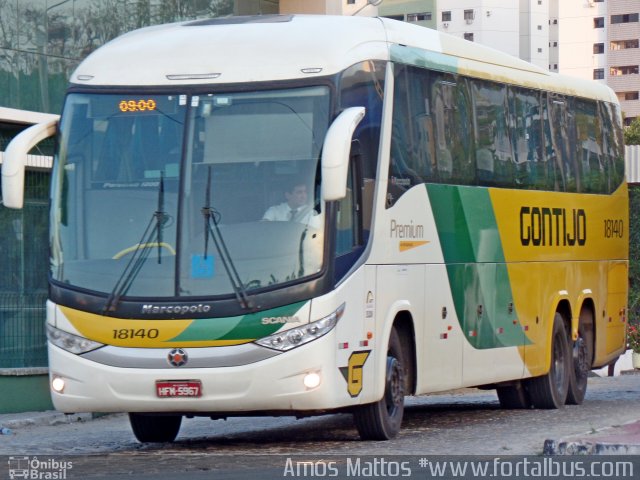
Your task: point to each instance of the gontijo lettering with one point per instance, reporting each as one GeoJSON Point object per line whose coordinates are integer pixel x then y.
{"type": "Point", "coordinates": [553, 227]}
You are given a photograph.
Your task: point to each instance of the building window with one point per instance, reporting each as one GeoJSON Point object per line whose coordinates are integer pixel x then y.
{"type": "Point", "coordinates": [539, 2]}
{"type": "Point", "coordinates": [351, 2]}
{"type": "Point", "coordinates": [418, 17]}
{"type": "Point", "coordinates": [628, 95]}
{"type": "Point", "coordinates": [598, 74]}
{"type": "Point", "coordinates": [625, 18]}
{"type": "Point", "coordinates": [625, 70]}
{"type": "Point", "coordinates": [469, 15]}
{"type": "Point", "coordinates": [598, 48]}
{"type": "Point", "coordinates": [539, 27]}
{"type": "Point", "coordinates": [446, 16]}
{"type": "Point", "coordinates": [624, 44]}
{"type": "Point", "coordinates": [539, 50]}
{"type": "Point", "coordinates": [468, 36]}
{"type": "Point", "coordinates": [598, 22]}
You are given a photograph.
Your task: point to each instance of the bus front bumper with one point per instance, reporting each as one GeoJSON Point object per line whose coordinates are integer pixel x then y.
{"type": "Point", "coordinates": [273, 384]}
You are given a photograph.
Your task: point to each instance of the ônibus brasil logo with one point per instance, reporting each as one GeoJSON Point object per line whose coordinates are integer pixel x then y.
{"type": "Point", "coordinates": [27, 467]}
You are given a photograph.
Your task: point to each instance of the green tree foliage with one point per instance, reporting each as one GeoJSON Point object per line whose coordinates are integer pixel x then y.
{"type": "Point", "coordinates": [632, 133]}
{"type": "Point", "coordinates": [632, 137]}
{"type": "Point", "coordinates": [634, 254]}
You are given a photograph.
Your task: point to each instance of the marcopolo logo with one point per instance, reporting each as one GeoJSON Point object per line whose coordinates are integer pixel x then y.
{"type": "Point", "coordinates": [151, 309]}
{"type": "Point", "coordinates": [35, 468]}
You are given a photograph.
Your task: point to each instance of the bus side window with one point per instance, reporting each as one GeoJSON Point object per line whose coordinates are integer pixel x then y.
{"type": "Point", "coordinates": [562, 125]}
{"type": "Point", "coordinates": [612, 145]}
{"type": "Point", "coordinates": [409, 163]}
{"type": "Point", "coordinates": [494, 155]}
{"type": "Point", "coordinates": [588, 146]}
{"type": "Point", "coordinates": [453, 130]}
{"type": "Point", "coordinates": [548, 149]}
{"type": "Point", "coordinates": [363, 85]}
{"type": "Point", "coordinates": [348, 240]}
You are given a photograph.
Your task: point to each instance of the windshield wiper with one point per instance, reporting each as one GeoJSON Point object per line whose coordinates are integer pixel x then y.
{"type": "Point", "coordinates": [141, 252]}
{"type": "Point", "coordinates": [211, 219]}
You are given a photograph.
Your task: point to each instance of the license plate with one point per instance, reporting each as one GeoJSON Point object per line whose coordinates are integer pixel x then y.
{"type": "Point", "coordinates": [178, 388]}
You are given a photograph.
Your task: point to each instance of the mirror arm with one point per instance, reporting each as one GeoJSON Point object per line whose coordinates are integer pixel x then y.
{"type": "Point", "coordinates": [335, 153]}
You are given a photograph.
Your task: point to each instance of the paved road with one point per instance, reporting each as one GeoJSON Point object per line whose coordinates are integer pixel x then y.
{"type": "Point", "coordinates": [466, 422]}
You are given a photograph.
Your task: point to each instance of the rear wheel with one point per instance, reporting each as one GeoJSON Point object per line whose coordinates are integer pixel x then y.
{"type": "Point", "coordinates": [550, 390]}
{"type": "Point", "coordinates": [155, 428]}
{"type": "Point", "coordinates": [581, 358]}
{"type": "Point", "coordinates": [381, 420]}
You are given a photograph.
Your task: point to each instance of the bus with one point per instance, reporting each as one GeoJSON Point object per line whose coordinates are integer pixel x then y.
{"type": "Point", "coordinates": [465, 224]}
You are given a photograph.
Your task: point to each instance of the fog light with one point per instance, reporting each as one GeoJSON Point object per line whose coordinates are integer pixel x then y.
{"type": "Point", "coordinates": [57, 384]}
{"type": "Point", "coordinates": [311, 380]}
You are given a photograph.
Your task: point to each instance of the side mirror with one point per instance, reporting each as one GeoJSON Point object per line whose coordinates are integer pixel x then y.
{"type": "Point", "coordinates": [335, 153]}
{"type": "Point", "coordinates": [15, 160]}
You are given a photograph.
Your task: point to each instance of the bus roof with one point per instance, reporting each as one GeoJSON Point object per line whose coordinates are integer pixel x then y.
{"type": "Point", "coordinates": [280, 47]}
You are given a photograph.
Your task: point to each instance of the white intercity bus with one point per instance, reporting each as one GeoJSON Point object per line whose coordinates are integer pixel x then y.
{"type": "Point", "coordinates": [295, 215]}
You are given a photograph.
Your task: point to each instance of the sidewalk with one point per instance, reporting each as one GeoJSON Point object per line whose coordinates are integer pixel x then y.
{"type": "Point", "coordinates": [14, 421]}
{"type": "Point", "coordinates": [616, 440]}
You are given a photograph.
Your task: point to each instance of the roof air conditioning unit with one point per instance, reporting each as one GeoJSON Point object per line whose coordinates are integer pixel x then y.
{"type": "Point", "coordinates": [445, 24]}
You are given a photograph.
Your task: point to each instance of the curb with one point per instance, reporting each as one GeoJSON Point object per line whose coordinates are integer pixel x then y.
{"type": "Point", "coordinates": [618, 440]}
{"type": "Point", "coordinates": [51, 418]}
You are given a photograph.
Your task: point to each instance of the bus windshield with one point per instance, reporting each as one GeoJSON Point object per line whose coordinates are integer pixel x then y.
{"type": "Point", "coordinates": [188, 195]}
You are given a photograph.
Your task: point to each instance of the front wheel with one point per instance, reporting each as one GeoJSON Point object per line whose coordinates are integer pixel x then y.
{"type": "Point", "coordinates": [381, 420]}
{"type": "Point", "coordinates": [155, 428]}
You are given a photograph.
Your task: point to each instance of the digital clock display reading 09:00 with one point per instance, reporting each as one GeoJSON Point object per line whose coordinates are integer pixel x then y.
{"type": "Point", "coordinates": [137, 105]}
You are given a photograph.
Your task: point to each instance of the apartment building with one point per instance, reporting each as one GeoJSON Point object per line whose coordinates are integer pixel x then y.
{"type": "Point", "coordinates": [419, 12]}
{"type": "Point", "coordinates": [577, 38]}
{"type": "Point", "coordinates": [494, 23]}
{"type": "Point", "coordinates": [535, 32]}
{"type": "Point", "coordinates": [623, 55]}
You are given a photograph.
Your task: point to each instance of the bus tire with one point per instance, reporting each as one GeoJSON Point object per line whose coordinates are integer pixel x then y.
{"type": "Point", "coordinates": [381, 420]}
{"type": "Point", "coordinates": [581, 358]}
{"type": "Point", "coordinates": [513, 397]}
{"type": "Point", "coordinates": [155, 428]}
{"type": "Point", "coordinates": [550, 391]}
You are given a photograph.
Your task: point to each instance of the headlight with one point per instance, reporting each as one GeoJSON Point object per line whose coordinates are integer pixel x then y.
{"type": "Point", "coordinates": [70, 342]}
{"type": "Point", "coordinates": [300, 335]}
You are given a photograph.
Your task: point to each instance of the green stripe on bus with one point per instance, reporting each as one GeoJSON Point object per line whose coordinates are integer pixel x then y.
{"type": "Point", "coordinates": [244, 327]}
{"type": "Point", "coordinates": [477, 272]}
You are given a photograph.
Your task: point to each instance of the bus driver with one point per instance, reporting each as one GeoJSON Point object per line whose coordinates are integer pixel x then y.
{"type": "Point", "coordinates": [296, 208]}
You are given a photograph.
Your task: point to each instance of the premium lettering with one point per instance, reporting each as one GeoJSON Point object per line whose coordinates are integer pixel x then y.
{"type": "Point", "coordinates": [406, 230]}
